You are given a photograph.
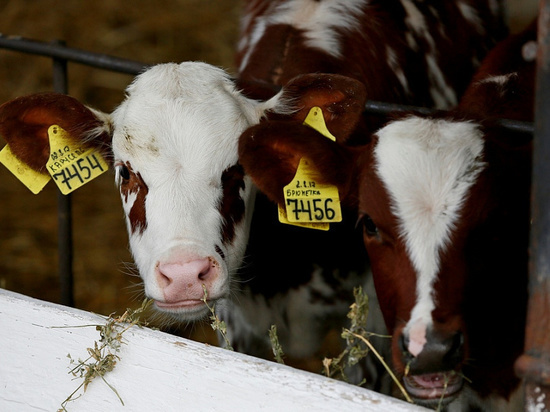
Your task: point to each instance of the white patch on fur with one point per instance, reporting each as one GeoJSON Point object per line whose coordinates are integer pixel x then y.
{"type": "Point", "coordinates": [500, 80]}
{"type": "Point", "coordinates": [427, 167]}
{"type": "Point", "coordinates": [319, 21]}
{"type": "Point", "coordinates": [471, 15]}
{"type": "Point", "coordinates": [411, 41]}
{"type": "Point", "coordinates": [443, 95]}
{"type": "Point", "coordinates": [396, 69]}
{"type": "Point", "coordinates": [414, 20]}
{"type": "Point", "coordinates": [252, 40]}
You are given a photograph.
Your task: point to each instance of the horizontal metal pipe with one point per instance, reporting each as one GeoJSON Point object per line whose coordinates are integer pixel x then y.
{"type": "Point", "coordinates": [383, 108]}
{"type": "Point", "coordinates": [98, 60]}
{"type": "Point", "coordinates": [107, 62]}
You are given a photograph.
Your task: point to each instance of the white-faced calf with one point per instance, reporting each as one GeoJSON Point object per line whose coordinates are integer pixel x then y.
{"type": "Point", "coordinates": [436, 196]}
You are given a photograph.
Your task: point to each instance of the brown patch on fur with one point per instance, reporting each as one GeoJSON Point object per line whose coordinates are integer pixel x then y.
{"type": "Point", "coordinates": [135, 184]}
{"type": "Point", "coordinates": [232, 206]}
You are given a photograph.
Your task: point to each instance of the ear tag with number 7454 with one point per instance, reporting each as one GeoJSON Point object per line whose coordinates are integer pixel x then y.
{"type": "Point", "coordinates": [309, 203]}
{"type": "Point", "coordinates": [72, 165]}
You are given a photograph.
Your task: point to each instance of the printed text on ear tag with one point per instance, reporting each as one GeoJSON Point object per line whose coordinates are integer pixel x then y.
{"type": "Point", "coordinates": [309, 203]}
{"type": "Point", "coordinates": [284, 219]}
{"type": "Point", "coordinates": [34, 180]}
{"type": "Point", "coordinates": [72, 165]}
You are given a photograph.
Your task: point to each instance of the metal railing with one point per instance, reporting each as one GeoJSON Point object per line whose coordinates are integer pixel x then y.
{"type": "Point", "coordinates": [534, 364]}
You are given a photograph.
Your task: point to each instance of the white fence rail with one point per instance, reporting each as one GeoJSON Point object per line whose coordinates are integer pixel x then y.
{"type": "Point", "coordinates": [156, 371]}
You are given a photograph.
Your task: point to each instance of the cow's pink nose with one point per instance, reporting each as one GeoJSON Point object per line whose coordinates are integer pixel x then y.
{"type": "Point", "coordinates": [181, 281]}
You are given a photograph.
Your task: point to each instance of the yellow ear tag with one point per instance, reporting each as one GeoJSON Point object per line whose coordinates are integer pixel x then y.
{"type": "Point", "coordinates": [34, 180]}
{"type": "Point", "coordinates": [72, 165]}
{"type": "Point", "coordinates": [309, 203]}
{"type": "Point", "coordinates": [315, 120]}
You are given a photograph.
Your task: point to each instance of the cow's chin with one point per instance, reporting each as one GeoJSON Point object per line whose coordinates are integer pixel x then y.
{"type": "Point", "coordinates": [185, 310]}
{"type": "Point", "coordinates": [434, 389]}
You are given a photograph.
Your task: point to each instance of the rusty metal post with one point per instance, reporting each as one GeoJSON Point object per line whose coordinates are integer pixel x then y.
{"type": "Point", "coordinates": [64, 205]}
{"type": "Point", "coordinates": [534, 365]}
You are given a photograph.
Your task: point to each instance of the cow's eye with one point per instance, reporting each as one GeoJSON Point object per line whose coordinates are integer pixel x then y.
{"type": "Point", "coordinates": [369, 227]}
{"type": "Point", "coordinates": [124, 172]}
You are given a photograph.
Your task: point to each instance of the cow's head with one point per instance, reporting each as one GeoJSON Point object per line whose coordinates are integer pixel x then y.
{"type": "Point", "coordinates": [174, 146]}
{"type": "Point", "coordinates": [432, 201]}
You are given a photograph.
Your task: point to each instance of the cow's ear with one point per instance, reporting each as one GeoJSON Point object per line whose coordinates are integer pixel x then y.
{"type": "Point", "coordinates": [24, 124]}
{"type": "Point", "coordinates": [270, 153]}
{"type": "Point", "coordinates": [342, 100]}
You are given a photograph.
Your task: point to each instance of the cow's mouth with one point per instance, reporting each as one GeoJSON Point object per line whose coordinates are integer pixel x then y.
{"type": "Point", "coordinates": [186, 310]}
{"type": "Point", "coordinates": [182, 304]}
{"type": "Point", "coordinates": [429, 387]}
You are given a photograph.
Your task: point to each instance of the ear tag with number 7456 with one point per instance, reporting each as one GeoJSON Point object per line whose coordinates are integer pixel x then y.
{"type": "Point", "coordinates": [72, 165]}
{"type": "Point", "coordinates": [309, 203]}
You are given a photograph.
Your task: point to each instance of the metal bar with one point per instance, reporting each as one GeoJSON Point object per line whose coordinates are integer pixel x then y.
{"type": "Point", "coordinates": [383, 108]}
{"type": "Point", "coordinates": [534, 365]}
{"type": "Point", "coordinates": [107, 62]}
{"type": "Point", "coordinates": [60, 51]}
{"type": "Point", "coordinates": [64, 204]}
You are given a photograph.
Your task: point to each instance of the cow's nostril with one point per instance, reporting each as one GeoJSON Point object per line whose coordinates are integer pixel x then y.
{"type": "Point", "coordinates": [164, 280]}
{"type": "Point", "coordinates": [203, 275]}
{"type": "Point", "coordinates": [455, 352]}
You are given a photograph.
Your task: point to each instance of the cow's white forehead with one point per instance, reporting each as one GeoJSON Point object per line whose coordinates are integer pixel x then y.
{"type": "Point", "coordinates": [177, 109]}
{"type": "Point", "coordinates": [428, 167]}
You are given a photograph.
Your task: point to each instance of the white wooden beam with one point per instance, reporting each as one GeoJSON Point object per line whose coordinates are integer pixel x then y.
{"type": "Point", "coordinates": [156, 372]}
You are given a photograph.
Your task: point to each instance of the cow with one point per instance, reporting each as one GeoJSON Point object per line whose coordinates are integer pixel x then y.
{"type": "Point", "coordinates": [404, 52]}
{"type": "Point", "coordinates": [195, 221]}
{"type": "Point", "coordinates": [434, 196]}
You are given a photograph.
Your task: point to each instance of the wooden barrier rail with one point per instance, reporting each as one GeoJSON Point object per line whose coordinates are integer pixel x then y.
{"type": "Point", "coordinates": [156, 371]}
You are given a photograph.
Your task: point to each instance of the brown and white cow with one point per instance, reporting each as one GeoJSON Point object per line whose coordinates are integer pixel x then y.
{"type": "Point", "coordinates": [444, 205]}
{"type": "Point", "coordinates": [174, 141]}
{"type": "Point", "coordinates": [408, 52]}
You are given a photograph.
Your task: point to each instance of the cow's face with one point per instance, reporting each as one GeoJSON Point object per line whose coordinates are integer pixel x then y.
{"type": "Point", "coordinates": [413, 200]}
{"type": "Point", "coordinates": [183, 192]}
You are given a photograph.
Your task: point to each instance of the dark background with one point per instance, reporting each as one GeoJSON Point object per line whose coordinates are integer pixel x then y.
{"type": "Point", "coordinates": [151, 31]}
